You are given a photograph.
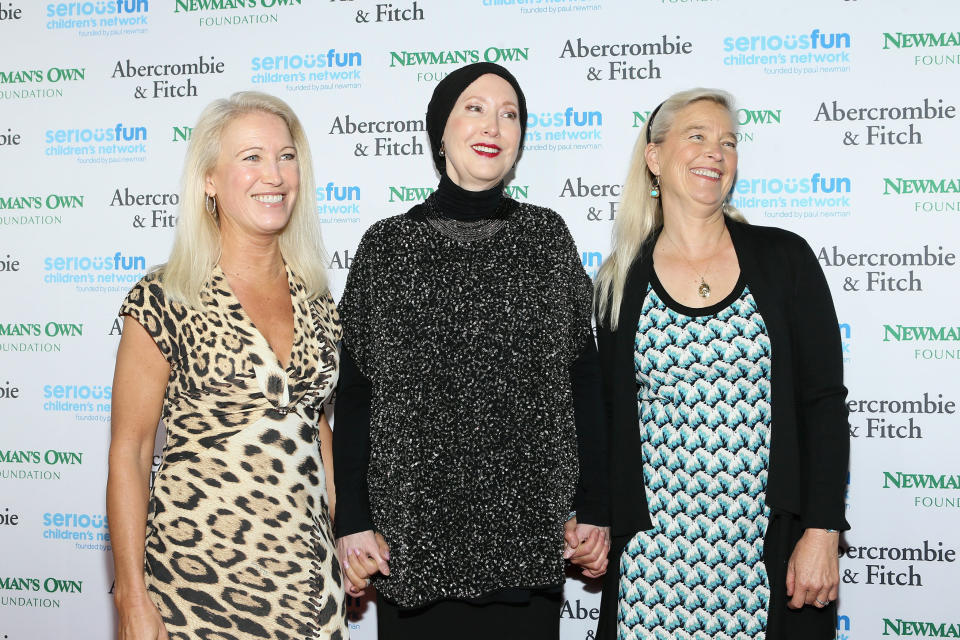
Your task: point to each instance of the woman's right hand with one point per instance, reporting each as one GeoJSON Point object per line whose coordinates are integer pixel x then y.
{"type": "Point", "coordinates": [362, 555]}
{"type": "Point", "coordinates": [140, 620]}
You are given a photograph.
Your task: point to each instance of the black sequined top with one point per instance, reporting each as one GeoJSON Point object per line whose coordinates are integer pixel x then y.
{"type": "Point", "coordinates": [468, 348]}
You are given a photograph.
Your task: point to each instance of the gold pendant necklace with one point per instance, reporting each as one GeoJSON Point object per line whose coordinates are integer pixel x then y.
{"type": "Point", "coordinates": [703, 289]}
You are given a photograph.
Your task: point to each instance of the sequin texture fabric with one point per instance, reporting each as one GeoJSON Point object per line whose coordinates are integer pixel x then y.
{"type": "Point", "coordinates": [468, 346]}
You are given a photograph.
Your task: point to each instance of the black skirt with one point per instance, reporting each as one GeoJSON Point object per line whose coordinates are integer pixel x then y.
{"type": "Point", "coordinates": [537, 619]}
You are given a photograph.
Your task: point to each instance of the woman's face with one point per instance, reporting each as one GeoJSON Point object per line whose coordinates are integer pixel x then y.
{"type": "Point", "coordinates": [256, 176]}
{"type": "Point", "coordinates": [697, 160]}
{"type": "Point", "coordinates": [482, 136]}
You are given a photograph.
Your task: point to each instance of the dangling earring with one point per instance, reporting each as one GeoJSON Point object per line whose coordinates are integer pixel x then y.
{"type": "Point", "coordinates": [655, 189]}
{"type": "Point", "coordinates": [442, 152]}
{"type": "Point", "coordinates": [210, 204]}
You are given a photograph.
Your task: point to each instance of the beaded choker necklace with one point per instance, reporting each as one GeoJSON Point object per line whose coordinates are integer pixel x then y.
{"type": "Point", "coordinates": [462, 230]}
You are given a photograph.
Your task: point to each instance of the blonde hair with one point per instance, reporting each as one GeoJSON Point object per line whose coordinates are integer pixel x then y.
{"type": "Point", "coordinates": [196, 243]}
{"type": "Point", "coordinates": [640, 215]}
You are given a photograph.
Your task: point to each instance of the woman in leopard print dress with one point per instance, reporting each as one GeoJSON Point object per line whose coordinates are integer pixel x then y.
{"type": "Point", "coordinates": [233, 344]}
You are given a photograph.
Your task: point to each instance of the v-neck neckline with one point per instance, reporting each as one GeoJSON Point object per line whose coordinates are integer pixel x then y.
{"type": "Point", "coordinates": [294, 306]}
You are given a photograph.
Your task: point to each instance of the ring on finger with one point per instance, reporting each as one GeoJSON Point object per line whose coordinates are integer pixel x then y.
{"type": "Point", "coordinates": [821, 602]}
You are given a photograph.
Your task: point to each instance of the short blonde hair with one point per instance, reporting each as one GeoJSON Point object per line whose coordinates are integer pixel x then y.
{"type": "Point", "coordinates": [196, 244]}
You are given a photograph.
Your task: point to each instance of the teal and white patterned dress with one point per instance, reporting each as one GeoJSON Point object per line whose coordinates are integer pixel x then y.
{"type": "Point", "coordinates": [703, 379]}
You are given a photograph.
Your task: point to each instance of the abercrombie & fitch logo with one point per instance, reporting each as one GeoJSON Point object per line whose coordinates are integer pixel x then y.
{"type": "Point", "coordinates": [9, 519]}
{"type": "Point", "coordinates": [381, 145]}
{"type": "Point", "coordinates": [165, 78]}
{"type": "Point", "coordinates": [10, 12]}
{"type": "Point", "coordinates": [896, 418]}
{"type": "Point", "coordinates": [8, 264]}
{"type": "Point", "coordinates": [387, 12]}
{"type": "Point", "coordinates": [153, 208]}
{"type": "Point", "coordinates": [9, 138]}
{"type": "Point", "coordinates": [620, 69]}
{"type": "Point", "coordinates": [8, 391]}
{"type": "Point", "coordinates": [877, 278]}
{"type": "Point", "coordinates": [879, 134]}
{"type": "Point", "coordinates": [340, 259]}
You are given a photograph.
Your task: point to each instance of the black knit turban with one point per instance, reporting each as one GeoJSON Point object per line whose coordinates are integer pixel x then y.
{"type": "Point", "coordinates": [448, 91]}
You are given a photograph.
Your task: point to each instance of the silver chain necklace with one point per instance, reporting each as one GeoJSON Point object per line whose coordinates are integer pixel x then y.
{"type": "Point", "coordinates": [463, 230]}
{"type": "Point", "coordinates": [703, 289]}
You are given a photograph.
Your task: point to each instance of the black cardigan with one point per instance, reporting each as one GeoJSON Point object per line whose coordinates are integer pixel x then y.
{"type": "Point", "coordinates": [809, 430]}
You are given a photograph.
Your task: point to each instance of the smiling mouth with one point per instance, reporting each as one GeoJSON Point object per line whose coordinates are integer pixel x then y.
{"type": "Point", "coordinates": [707, 173]}
{"type": "Point", "coordinates": [487, 150]}
{"type": "Point", "coordinates": [272, 198]}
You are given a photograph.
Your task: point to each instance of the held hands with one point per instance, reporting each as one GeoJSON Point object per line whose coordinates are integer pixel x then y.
{"type": "Point", "coordinates": [586, 546]}
{"type": "Point", "coordinates": [813, 572]}
{"type": "Point", "coordinates": [362, 555]}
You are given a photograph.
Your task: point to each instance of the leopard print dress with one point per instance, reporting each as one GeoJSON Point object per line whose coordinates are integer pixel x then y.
{"type": "Point", "coordinates": [239, 541]}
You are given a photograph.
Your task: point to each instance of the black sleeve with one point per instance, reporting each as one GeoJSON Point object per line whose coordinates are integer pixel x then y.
{"type": "Point", "coordinates": [822, 410]}
{"type": "Point", "coordinates": [592, 498]}
{"type": "Point", "coordinates": [351, 447]}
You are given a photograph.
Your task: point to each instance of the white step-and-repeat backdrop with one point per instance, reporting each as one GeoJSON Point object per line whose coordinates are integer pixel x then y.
{"type": "Point", "coordinates": [849, 135]}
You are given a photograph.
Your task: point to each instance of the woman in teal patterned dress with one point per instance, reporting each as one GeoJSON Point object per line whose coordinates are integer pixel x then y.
{"type": "Point", "coordinates": [725, 401]}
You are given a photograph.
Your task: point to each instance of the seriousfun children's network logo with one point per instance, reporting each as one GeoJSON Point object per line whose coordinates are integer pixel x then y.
{"type": "Point", "coordinates": [544, 7]}
{"type": "Point", "coordinates": [95, 274]}
{"type": "Point", "coordinates": [934, 195]}
{"type": "Point", "coordinates": [818, 196]}
{"type": "Point", "coordinates": [939, 48]}
{"type": "Point", "coordinates": [28, 464]}
{"type": "Point", "coordinates": [116, 143]}
{"type": "Point", "coordinates": [87, 403]}
{"type": "Point", "coordinates": [85, 530]}
{"type": "Point", "coordinates": [233, 11]}
{"type": "Point", "coordinates": [569, 129]}
{"type": "Point", "coordinates": [322, 71]}
{"type": "Point", "coordinates": [591, 261]}
{"type": "Point", "coordinates": [100, 17]}
{"type": "Point", "coordinates": [790, 54]}
{"type": "Point", "coordinates": [846, 341]}
{"type": "Point", "coordinates": [843, 628]}
{"type": "Point", "coordinates": [338, 203]}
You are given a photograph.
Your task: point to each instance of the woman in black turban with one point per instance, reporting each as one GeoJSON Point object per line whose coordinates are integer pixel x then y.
{"type": "Point", "coordinates": [467, 442]}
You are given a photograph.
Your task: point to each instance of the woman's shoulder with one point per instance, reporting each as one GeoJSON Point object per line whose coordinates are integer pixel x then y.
{"type": "Point", "coordinates": [774, 241]}
{"type": "Point", "coordinates": [537, 212]}
{"type": "Point", "coordinates": [387, 230]}
{"type": "Point", "coordinates": [148, 290]}
{"type": "Point", "coordinates": [543, 220]}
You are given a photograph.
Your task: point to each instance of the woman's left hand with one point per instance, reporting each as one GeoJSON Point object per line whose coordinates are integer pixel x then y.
{"type": "Point", "coordinates": [813, 572]}
{"type": "Point", "coordinates": [587, 546]}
